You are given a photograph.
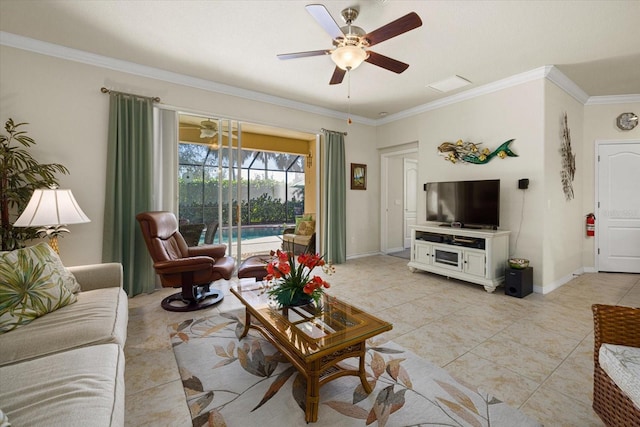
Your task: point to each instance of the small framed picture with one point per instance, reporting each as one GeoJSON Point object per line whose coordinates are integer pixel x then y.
{"type": "Point", "coordinates": [358, 176]}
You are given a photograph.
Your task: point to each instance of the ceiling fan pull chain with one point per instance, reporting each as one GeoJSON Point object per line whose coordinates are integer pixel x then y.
{"type": "Point", "coordinates": [348, 97]}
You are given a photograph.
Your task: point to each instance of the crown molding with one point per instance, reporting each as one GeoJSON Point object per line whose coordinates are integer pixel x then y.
{"type": "Point", "coordinates": [549, 72]}
{"type": "Point", "coordinates": [518, 79]}
{"type": "Point", "coordinates": [62, 52]}
{"type": "Point", "coordinates": [556, 76]}
{"type": "Point", "coordinates": [613, 99]}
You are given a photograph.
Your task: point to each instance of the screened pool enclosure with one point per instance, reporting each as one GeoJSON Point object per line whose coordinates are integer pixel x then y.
{"type": "Point", "coordinates": [270, 194]}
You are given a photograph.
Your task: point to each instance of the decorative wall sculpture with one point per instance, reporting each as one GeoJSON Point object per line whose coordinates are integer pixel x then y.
{"type": "Point", "coordinates": [468, 152]}
{"type": "Point", "coordinates": [568, 162]}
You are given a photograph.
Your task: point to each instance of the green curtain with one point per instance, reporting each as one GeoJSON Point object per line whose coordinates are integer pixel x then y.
{"type": "Point", "coordinates": [334, 208]}
{"type": "Point", "coordinates": [129, 189]}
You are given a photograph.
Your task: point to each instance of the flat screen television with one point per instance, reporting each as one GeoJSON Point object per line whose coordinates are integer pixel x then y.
{"type": "Point", "coordinates": [469, 204]}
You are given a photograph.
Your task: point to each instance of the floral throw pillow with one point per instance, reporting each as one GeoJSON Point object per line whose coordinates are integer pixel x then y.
{"type": "Point", "coordinates": [306, 228]}
{"type": "Point", "coordinates": [299, 220]}
{"type": "Point", "coordinates": [31, 285]}
{"type": "Point", "coordinates": [68, 279]}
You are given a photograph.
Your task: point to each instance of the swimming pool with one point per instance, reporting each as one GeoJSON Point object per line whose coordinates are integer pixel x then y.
{"type": "Point", "coordinates": [249, 232]}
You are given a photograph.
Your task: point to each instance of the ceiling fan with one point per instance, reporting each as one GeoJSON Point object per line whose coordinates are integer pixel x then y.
{"type": "Point", "coordinates": [208, 129]}
{"type": "Point", "coordinates": [352, 43]}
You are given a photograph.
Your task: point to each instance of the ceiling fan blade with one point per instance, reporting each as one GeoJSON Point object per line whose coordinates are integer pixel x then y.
{"type": "Point", "coordinates": [386, 62]}
{"type": "Point", "coordinates": [322, 17]}
{"type": "Point", "coordinates": [338, 76]}
{"type": "Point", "coordinates": [225, 136]}
{"type": "Point", "coordinates": [304, 54]}
{"type": "Point", "coordinates": [216, 135]}
{"type": "Point", "coordinates": [395, 28]}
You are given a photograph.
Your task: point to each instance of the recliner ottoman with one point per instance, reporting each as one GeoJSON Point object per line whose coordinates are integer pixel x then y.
{"type": "Point", "coordinates": [254, 266]}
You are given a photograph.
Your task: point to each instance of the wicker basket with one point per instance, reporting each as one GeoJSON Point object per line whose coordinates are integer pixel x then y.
{"type": "Point", "coordinates": [614, 325]}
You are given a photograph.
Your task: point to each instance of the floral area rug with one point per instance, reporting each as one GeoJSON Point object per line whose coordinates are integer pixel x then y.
{"type": "Point", "coordinates": [231, 383]}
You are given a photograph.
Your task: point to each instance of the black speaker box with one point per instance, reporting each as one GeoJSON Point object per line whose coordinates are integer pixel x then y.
{"type": "Point", "coordinates": [518, 283]}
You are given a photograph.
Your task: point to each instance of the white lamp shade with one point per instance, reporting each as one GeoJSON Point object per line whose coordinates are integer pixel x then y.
{"type": "Point", "coordinates": [51, 207]}
{"type": "Point", "coordinates": [349, 57]}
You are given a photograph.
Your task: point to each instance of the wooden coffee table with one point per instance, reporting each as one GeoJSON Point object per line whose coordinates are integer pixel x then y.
{"type": "Point", "coordinates": [314, 341]}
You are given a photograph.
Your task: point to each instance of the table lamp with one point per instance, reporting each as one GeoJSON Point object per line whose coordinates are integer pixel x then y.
{"type": "Point", "coordinates": [51, 209]}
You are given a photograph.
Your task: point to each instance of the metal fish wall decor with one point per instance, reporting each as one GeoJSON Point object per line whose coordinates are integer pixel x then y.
{"type": "Point", "coordinates": [468, 152]}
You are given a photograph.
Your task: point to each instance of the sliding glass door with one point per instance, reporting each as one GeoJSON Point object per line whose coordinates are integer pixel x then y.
{"type": "Point", "coordinates": [208, 182]}
{"type": "Point", "coordinates": [242, 197]}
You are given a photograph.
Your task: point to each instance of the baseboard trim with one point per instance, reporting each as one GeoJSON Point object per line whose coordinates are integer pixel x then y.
{"type": "Point", "coordinates": [392, 250]}
{"type": "Point", "coordinates": [550, 287]}
{"type": "Point", "coordinates": [364, 254]}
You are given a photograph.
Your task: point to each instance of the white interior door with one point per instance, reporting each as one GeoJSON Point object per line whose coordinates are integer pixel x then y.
{"type": "Point", "coordinates": [392, 192]}
{"type": "Point", "coordinates": [410, 195]}
{"type": "Point", "coordinates": [618, 207]}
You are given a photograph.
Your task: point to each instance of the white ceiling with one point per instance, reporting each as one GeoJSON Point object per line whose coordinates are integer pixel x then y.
{"type": "Point", "coordinates": [595, 43]}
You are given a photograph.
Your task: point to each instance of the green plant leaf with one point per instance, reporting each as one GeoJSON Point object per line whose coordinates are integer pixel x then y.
{"type": "Point", "coordinates": [20, 174]}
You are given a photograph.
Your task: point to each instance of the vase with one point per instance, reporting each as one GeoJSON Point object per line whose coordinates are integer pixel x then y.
{"type": "Point", "coordinates": [299, 299]}
{"type": "Point", "coordinates": [287, 299]}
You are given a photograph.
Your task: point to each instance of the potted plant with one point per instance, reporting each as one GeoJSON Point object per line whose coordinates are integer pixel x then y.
{"type": "Point", "coordinates": [20, 174]}
{"type": "Point", "coordinates": [291, 284]}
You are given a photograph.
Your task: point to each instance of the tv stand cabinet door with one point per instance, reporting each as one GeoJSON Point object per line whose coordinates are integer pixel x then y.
{"type": "Point", "coordinates": [475, 263]}
{"type": "Point", "coordinates": [422, 253]}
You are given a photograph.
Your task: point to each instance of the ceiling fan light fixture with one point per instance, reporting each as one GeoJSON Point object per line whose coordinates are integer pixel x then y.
{"type": "Point", "coordinates": [349, 57]}
{"type": "Point", "coordinates": [207, 133]}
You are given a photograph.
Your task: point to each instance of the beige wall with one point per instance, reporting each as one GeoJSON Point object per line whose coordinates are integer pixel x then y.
{"type": "Point", "coordinates": [68, 118]}
{"type": "Point", "coordinates": [492, 119]}
{"type": "Point", "coordinates": [552, 233]}
{"type": "Point", "coordinates": [563, 219]}
{"type": "Point", "coordinates": [363, 207]}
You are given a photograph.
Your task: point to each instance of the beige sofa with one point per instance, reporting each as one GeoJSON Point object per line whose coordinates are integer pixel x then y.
{"type": "Point", "coordinates": [66, 368]}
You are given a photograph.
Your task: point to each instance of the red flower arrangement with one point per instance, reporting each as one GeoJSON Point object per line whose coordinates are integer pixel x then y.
{"type": "Point", "coordinates": [292, 284]}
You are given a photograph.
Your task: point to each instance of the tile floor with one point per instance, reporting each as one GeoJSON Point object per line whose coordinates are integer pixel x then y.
{"type": "Point", "coordinates": [534, 353]}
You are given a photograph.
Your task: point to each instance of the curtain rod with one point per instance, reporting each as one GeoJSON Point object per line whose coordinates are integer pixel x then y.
{"type": "Point", "coordinates": [335, 131]}
{"type": "Point", "coordinates": [105, 90]}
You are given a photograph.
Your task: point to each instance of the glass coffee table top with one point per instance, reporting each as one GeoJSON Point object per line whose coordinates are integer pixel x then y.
{"type": "Point", "coordinates": [307, 330]}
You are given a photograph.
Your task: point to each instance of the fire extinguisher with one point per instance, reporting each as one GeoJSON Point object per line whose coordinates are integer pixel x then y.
{"type": "Point", "coordinates": [591, 225]}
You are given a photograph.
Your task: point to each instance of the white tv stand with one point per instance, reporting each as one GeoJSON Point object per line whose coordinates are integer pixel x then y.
{"type": "Point", "coordinates": [473, 255]}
